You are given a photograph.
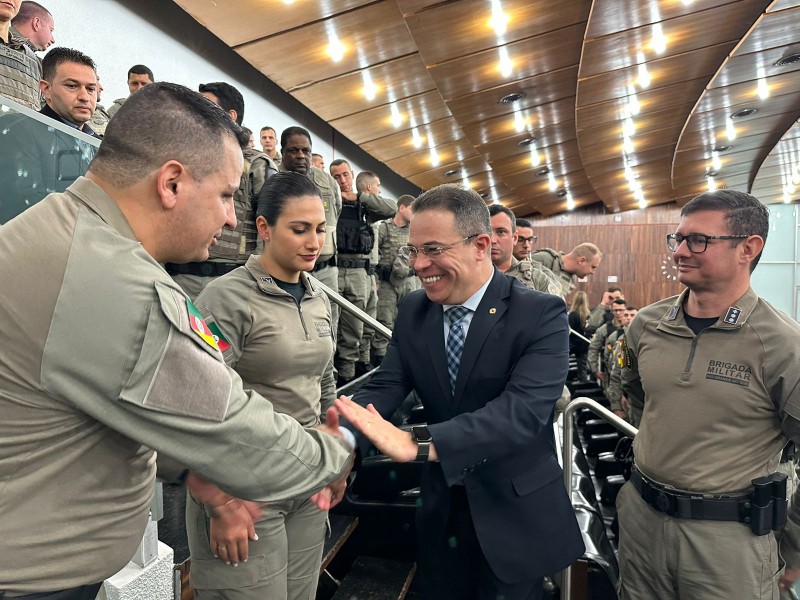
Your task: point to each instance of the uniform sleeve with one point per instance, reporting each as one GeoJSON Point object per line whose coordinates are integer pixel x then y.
{"type": "Point", "coordinates": [629, 374]}
{"type": "Point", "coordinates": [614, 389]}
{"type": "Point", "coordinates": [224, 303]}
{"type": "Point", "coordinates": [378, 206]}
{"type": "Point", "coordinates": [149, 376]}
{"type": "Point", "coordinates": [328, 382]}
{"type": "Point", "coordinates": [596, 317]}
{"type": "Point", "coordinates": [258, 176]}
{"type": "Point", "coordinates": [524, 407]}
{"type": "Point", "coordinates": [595, 349]}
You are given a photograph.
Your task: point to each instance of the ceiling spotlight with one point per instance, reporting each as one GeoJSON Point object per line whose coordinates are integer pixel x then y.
{"type": "Point", "coordinates": [644, 76]}
{"type": "Point", "coordinates": [716, 161]}
{"type": "Point", "coordinates": [722, 148]}
{"type": "Point", "coordinates": [730, 130]}
{"type": "Point", "coordinates": [505, 65]}
{"type": "Point", "coordinates": [543, 172]}
{"type": "Point", "coordinates": [499, 20]}
{"type": "Point", "coordinates": [712, 173]}
{"type": "Point", "coordinates": [551, 181]}
{"type": "Point", "coordinates": [762, 88]}
{"type": "Point", "coordinates": [370, 89]}
{"type": "Point", "coordinates": [745, 112]}
{"type": "Point", "coordinates": [512, 97]}
{"type": "Point", "coordinates": [452, 173]}
{"type": "Point", "coordinates": [789, 59]}
{"type": "Point", "coordinates": [526, 142]}
{"type": "Point", "coordinates": [659, 40]}
{"type": "Point", "coordinates": [335, 47]}
{"type": "Point", "coordinates": [397, 118]}
{"type": "Point", "coordinates": [561, 193]}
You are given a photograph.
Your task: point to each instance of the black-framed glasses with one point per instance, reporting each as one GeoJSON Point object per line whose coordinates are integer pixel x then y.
{"type": "Point", "coordinates": [697, 242]}
{"type": "Point", "coordinates": [411, 252]}
{"type": "Point", "coordinates": [526, 240]}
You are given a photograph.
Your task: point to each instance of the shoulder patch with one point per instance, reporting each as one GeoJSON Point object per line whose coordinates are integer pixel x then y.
{"type": "Point", "coordinates": [222, 342]}
{"type": "Point", "coordinates": [199, 326]}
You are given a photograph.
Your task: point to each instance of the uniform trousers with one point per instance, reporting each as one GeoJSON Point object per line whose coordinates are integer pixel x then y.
{"type": "Point", "coordinates": [689, 559]}
{"type": "Point", "coordinates": [389, 298]}
{"type": "Point", "coordinates": [369, 335]}
{"type": "Point", "coordinates": [354, 285]}
{"type": "Point", "coordinates": [283, 563]}
{"type": "Point", "coordinates": [454, 568]}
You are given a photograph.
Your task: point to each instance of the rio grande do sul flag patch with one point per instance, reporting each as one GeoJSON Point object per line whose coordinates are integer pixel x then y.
{"type": "Point", "coordinates": [222, 343]}
{"type": "Point", "coordinates": [199, 326]}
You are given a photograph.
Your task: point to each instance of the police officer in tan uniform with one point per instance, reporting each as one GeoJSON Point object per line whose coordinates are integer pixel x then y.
{"type": "Point", "coordinates": [361, 207]}
{"type": "Point", "coordinates": [581, 262]}
{"type": "Point", "coordinates": [20, 68]}
{"type": "Point", "coordinates": [235, 245]}
{"type": "Point", "coordinates": [504, 235]}
{"type": "Point", "coordinates": [112, 363]}
{"type": "Point", "coordinates": [717, 369]}
{"type": "Point", "coordinates": [296, 157]}
{"type": "Point", "coordinates": [396, 276]}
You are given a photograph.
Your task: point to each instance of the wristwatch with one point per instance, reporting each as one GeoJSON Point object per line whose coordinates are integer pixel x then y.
{"type": "Point", "coordinates": [422, 437]}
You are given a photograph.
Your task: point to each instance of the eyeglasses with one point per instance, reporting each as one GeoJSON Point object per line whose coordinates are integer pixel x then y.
{"type": "Point", "coordinates": [411, 252]}
{"type": "Point", "coordinates": [527, 240]}
{"type": "Point", "coordinates": [697, 242]}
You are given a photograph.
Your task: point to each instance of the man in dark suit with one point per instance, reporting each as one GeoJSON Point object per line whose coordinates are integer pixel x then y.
{"type": "Point", "coordinates": [494, 516]}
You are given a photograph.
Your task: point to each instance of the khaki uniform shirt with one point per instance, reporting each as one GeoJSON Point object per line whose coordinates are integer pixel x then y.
{"type": "Point", "coordinates": [332, 202]}
{"type": "Point", "coordinates": [534, 276]}
{"type": "Point", "coordinates": [281, 350]}
{"type": "Point", "coordinates": [378, 207]}
{"type": "Point", "coordinates": [554, 261]}
{"type": "Point", "coordinates": [719, 406]}
{"type": "Point", "coordinates": [102, 367]}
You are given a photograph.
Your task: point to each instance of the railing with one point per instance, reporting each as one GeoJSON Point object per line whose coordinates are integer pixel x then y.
{"type": "Point", "coordinates": [569, 428]}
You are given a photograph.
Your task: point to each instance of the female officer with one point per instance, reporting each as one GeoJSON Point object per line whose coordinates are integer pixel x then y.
{"type": "Point", "coordinates": [275, 328]}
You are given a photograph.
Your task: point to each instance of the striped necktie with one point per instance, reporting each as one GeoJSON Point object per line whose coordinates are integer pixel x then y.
{"type": "Point", "coordinates": [455, 342]}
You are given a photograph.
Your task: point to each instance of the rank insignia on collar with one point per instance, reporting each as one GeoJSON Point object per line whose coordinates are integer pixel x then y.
{"type": "Point", "coordinates": [732, 316]}
{"type": "Point", "coordinates": [266, 279]}
{"type": "Point", "coordinates": [673, 313]}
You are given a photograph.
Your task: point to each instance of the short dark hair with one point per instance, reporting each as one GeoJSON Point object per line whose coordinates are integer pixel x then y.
{"type": "Point", "coordinates": [267, 128]}
{"type": "Point", "coordinates": [60, 55]}
{"type": "Point", "coordinates": [228, 96]}
{"type": "Point", "coordinates": [141, 70]}
{"type": "Point", "coordinates": [176, 124]}
{"type": "Point", "coordinates": [280, 188]}
{"type": "Point", "coordinates": [405, 200]}
{"type": "Point", "coordinates": [614, 288]}
{"type": "Point", "coordinates": [363, 179]}
{"type": "Point", "coordinates": [28, 10]}
{"type": "Point", "coordinates": [467, 207]}
{"type": "Point", "coordinates": [620, 301]}
{"type": "Point", "coordinates": [744, 214]}
{"type": "Point", "coordinates": [631, 308]}
{"type": "Point", "coordinates": [524, 223]}
{"type": "Point", "coordinates": [338, 162]}
{"type": "Point", "coordinates": [315, 155]}
{"type": "Point", "coordinates": [496, 209]}
{"type": "Point", "coordinates": [294, 130]}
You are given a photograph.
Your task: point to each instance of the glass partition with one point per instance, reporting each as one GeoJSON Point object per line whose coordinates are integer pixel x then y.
{"type": "Point", "coordinates": [38, 155]}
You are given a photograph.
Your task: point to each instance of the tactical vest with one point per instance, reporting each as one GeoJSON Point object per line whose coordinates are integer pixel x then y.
{"type": "Point", "coordinates": [20, 73]}
{"type": "Point", "coordinates": [354, 234]}
{"type": "Point", "coordinates": [394, 238]}
{"type": "Point", "coordinates": [236, 245]}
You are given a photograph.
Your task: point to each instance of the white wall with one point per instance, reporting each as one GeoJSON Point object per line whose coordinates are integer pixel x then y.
{"type": "Point", "coordinates": [120, 33]}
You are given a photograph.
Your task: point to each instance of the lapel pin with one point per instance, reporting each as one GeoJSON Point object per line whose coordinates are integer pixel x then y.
{"type": "Point", "coordinates": [492, 310]}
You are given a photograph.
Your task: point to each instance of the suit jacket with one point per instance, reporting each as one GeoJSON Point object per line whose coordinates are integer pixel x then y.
{"type": "Point", "coordinates": [495, 435]}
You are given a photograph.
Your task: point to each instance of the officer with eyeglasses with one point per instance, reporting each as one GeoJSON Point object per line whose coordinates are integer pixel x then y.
{"type": "Point", "coordinates": [716, 369]}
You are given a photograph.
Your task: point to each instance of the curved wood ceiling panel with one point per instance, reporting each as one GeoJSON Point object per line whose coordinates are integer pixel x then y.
{"type": "Point", "coordinates": [434, 114]}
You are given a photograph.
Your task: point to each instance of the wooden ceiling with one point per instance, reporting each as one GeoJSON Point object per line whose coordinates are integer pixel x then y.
{"type": "Point", "coordinates": [625, 102]}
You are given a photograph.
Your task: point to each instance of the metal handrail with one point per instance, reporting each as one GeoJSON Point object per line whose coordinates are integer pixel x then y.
{"type": "Point", "coordinates": [349, 307]}
{"type": "Point", "coordinates": [569, 426]}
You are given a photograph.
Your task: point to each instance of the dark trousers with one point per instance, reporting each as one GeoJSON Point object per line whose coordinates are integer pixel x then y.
{"type": "Point", "coordinates": [455, 568]}
{"type": "Point", "coordinates": [84, 592]}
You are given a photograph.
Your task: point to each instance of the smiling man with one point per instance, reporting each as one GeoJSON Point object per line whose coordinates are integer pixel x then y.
{"type": "Point", "coordinates": [488, 358]}
{"type": "Point", "coordinates": [69, 86]}
{"type": "Point", "coordinates": [717, 370]}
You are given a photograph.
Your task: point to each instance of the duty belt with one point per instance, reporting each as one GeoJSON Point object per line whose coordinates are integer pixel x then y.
{"type": "Point", "coordinates": [331, 262]}
{"type": "Point", "coordinates": [763, 510]}
{"type": "Point", "coordinates": [385, 273]}
{"type": "Point", "coordinates": [354, 263]}
{"type": "Point", "coordinates": [201, 269]}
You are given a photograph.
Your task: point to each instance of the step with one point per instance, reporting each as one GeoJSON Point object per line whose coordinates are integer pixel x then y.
{"type": "Point", "coordinates": [376, 579]}
{"type": "Point", "coordinates": [342, 527]}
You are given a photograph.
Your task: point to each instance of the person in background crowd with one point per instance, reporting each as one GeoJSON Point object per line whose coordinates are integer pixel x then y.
{"type": "Point", "coordinates": [69, 87]}
{"type": "Point", "coordinates": [20, 69]}
{"type": "Point", "coordinates": [35, 24]}
{"type": "Point", "coordinates": [602, 312]}
{"type": "Point", "coordinates": [318, 161]}
{"type": "Point", "coordinates": [275, 330]}
{"type": "Point", "coordinates": [138, 77]}
{"type": "Point", "coordinates": [269, 142]}
{"type": "Point", "coordinates": [578, 315]}
{"type": "Point", "coordinates": [525, 240]}
{"type": "Point", "coordinates": [581, 262]}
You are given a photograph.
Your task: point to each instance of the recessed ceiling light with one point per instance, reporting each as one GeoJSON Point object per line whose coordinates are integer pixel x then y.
{"type": "Point", "coordinates": [526, 142]}
{"type": "Point", "coordinates": [452, 173]}
{"type": "Point", "coordinates": [512, 97]}
{"type": "Point", "coordinates": [712, 173]}
{"type": "Point", "coordinates": [745, 112]}
{"type": "Point", "coordinates": [543, 172]}
{"type": "Point", "coordinates": [722, 148]}
{"type": "Point", "coordinates": [484, 195]}
{"type": "Point", "coordinates": [789, 59]}
{"type": "Point", "coordinates": [561, 193]}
